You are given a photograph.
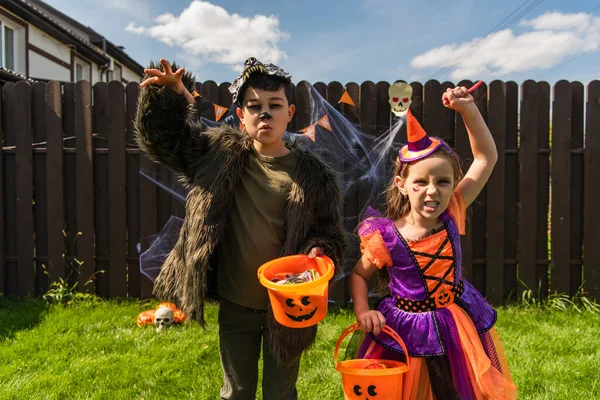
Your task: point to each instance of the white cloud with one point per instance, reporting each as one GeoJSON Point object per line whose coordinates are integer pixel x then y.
{"type": "Point", "coordinates": [553, 38]}
{"type": "Point", "coordinates": [211, 33]}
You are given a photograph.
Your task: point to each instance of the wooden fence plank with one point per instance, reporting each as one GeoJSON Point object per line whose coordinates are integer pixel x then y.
{"type": "Point", "coordinates": [302, 95]}
{"type": "Point", "coordinates": [417, 104]}
{"type": "Point", "coordinates": [592, 192]}
{"type": "Point", "coordinates": [147, 215]}
{"type": "Point", "coordinates": [54, 180]}
{"type": "Point", "coordinates": [463, 149]}
{"type": "Point", "coordinates": [292, 100]}
{"type": "Point", "coordinates": [164, 198]}
{"type": "Point", "coordinates": [9, 191]}
{"type": "Point", "coordinates": [511, 194]}
{"type": "Point", "coordinates": [384, 116]}
{"type": "Point", "coordinates": [101, 121]}
{"type": "Point", "coordinates": [368, 125]}
{"type": "Point", "coordinates": [447, 118]}
{"type": "Point", "coordinates": [479, 206]}
{"type": "Point", "coordinates": [24, 166]}
{"type": "Point", "coordinates": [40, 189]}
{"type": "Point", "coordinates": [85, 184]}
{"type": "Point", "coordinates": [70, 180]}
{"type": "Point", "coordinates": [432, 108]}
{"type": "Point", "coordinates": [495, 200]}
{"type": "Point", "coordinates": [321, 88]}
{"type": "Point", "coordinates": [210, 92]}
{"type": "Point", "coordinates": [339, 290]}
{"type": "Point", "coordinates": [383, 124]}
{"type": "Point", "coordinates": [576, 203]}
{"type": "Point", "coordinates": [351, 209]}
{"type": "Point", "coordinates": [2, 194]}
{"type": "Point", "coordinates": [561, 186]}
{"type": "Point", "coordinates": [132, 195]}
{"type": "Point", "coordinates": [225, 97]}
{"type": "Point", "coordinates": [543, 189]}
{"type": "Point", "coordinates": [528, 186]}
{"type": "Point", "coordinates": [116, 187]}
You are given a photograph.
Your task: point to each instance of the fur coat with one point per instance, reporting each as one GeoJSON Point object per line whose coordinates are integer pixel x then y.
{"type": "Point", "coordinates": [210, 163]}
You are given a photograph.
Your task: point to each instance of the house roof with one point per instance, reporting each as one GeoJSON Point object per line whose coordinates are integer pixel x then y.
{"type": "Point", "coordinates": [39, 13]}
{"type": "Point", "coordinates": [7, 75]}
{"type": "Point", "coordinates": [97, 39]}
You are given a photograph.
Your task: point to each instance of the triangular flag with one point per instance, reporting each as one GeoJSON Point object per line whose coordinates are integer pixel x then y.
{"type": "Point", "coordinates": [219, 112]}
{"type": "Point", "coordinates": [346, 98]}
{"type": "Point", "coordinates": [310, 132]}
{"type": "Point", "coordinates": [324, 122]}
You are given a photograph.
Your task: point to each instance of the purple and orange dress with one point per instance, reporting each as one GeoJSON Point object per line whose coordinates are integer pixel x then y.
{"type": "Point", "coordinates": [446, 324]}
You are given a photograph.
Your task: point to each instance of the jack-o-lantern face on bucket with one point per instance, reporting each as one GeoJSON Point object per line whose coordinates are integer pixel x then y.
{"type": "Point", "coordinates": [300, 309]}
{"type": "Point", "coordinates": [366, 392]}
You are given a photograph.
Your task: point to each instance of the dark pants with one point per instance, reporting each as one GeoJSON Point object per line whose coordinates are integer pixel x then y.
{"type": "Point", "coordinates": [242, 330]}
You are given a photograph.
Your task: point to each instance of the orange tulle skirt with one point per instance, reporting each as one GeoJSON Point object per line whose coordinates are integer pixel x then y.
{"type": "Point", "coordinates": [488, 382]}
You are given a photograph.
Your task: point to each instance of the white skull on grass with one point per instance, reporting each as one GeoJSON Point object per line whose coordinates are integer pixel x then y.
{"type": "Point", "coordinates": [163, 318]}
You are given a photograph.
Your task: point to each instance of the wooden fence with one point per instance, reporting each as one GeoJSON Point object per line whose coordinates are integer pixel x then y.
{"type": "Point", "coordinates": [71, 189]}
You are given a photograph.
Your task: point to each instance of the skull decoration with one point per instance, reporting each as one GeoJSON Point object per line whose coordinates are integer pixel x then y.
{"type": "Point", "coordinates": [163, 318]}
{"type": "Point", "coordinates": [400, 95]}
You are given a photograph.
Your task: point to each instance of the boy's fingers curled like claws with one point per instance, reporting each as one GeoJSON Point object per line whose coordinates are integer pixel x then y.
{"type": "Point", "coordinates": [153, 72]}
{"type": "Point", "coordinates": [149, 81]}
{"type": "Point", "coordinates": [166, 65]}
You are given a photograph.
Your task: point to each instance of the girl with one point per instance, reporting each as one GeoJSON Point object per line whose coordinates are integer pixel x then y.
{"type": "Point", "coordinates": [447, 326]}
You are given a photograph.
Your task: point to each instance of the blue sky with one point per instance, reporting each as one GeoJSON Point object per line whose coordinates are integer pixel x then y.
{"type": "Point", "coordinates": [357, 40]}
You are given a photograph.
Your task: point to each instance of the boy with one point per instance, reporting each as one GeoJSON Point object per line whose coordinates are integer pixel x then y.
{"type": "Point", "coordinates": [252, 198]}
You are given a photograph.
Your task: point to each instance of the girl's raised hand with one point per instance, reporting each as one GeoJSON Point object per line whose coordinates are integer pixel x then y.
{"type": "Point", "coordinates": [168, 78]}
{"type": "Point", "coordinates": [372, 320]}
{"type": "Point", "coordinates": [457, 99]}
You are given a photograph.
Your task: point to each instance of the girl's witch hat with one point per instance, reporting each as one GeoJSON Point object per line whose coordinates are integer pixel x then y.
{"type": "Point", "coordinates": [419, 144]}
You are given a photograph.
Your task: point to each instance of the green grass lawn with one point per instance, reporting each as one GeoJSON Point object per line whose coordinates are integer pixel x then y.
{"type": "Point", "coordinates": [96, 351]}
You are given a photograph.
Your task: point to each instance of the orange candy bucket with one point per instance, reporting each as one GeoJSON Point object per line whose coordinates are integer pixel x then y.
{"type": "Point", "coordinates": [298, 305]}
{"type": "Point", "coordinates": [371, 378]}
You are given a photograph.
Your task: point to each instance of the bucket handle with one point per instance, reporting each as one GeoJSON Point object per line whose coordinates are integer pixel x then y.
{"type": "Point", "coordinates": [356, 326]}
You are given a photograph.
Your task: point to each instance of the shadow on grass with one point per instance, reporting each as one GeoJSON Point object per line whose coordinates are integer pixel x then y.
{"type": "Point", "coordinates": [19, 314]}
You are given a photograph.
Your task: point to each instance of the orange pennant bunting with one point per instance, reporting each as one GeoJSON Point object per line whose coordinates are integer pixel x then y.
{"type": "Point", "coordinates": [310, 132]}
{"type": "Point", "coordinates": [219, 112]}
{"type": "Point", "coordinates": [324, 122]}
{"type": "Point", "coordinates": [346, 98]}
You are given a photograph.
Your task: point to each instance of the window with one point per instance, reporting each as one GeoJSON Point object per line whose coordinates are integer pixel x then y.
{"type": "Point", "coordinates": [12, 46]}
{"type": "Point", "coordinates": [9, 48]}
{"type": "Point", "coordinates": [82, 70]}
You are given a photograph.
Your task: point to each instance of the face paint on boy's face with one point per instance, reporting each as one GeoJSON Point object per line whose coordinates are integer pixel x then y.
{"type": "Point", "coordinates": [265, 115]}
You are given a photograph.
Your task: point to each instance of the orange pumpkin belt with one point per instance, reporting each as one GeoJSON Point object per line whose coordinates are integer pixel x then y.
{"type": "Point", "coordinates": [443, 299]}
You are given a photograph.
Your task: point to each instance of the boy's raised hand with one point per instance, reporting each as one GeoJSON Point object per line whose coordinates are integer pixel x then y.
{"type": "Point", "coordinates": [458, 99]}
{"type": "Point", "coordinates": [169, 79]}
